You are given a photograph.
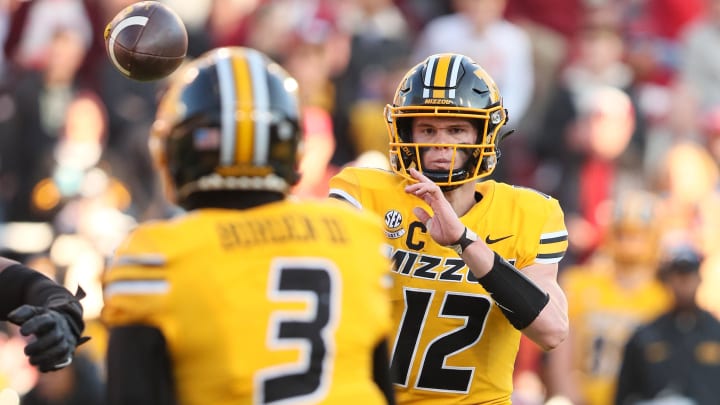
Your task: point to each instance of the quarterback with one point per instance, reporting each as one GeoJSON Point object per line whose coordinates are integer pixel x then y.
{"type": "Point", "coordinates": [475, 262]}
{"type": "Point", "coordinates": [248, 297]}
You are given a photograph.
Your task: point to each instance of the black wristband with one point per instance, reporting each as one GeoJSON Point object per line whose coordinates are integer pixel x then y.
{"type": "Point", "coordinates": [466, 239]}
{"type": "Point", "coordinates": [518, 297]}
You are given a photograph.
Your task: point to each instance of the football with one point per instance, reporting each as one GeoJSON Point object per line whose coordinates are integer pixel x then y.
{"type": "Point", "coordinates": [146, 41]}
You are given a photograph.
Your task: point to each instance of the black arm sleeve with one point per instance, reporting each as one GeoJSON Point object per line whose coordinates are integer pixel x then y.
{"type": "Point", "coordinates": [519, 299]}
{"type": "Point", "coordinates": [20, 285]}
{"type": "Point", "coordinates": [139, 371]}
{"type": "Point", "coordinates": [381, 371]}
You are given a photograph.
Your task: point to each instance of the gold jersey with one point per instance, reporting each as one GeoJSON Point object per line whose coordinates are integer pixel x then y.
{"type": "Point", "coordinates": [603, 315]}
{"type": "Point", "coordinates": [451, 343]}
{"type": "Point", "coordinates": [280, 303]}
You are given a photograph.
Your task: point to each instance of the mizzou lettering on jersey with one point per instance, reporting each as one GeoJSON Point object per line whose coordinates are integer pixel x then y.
{"type": "Point", "coordinates": [451, 343]}
{"type": "Point", "coordinates": [260, 306]}
{"type": "Point", "coordinates": [441, 268]}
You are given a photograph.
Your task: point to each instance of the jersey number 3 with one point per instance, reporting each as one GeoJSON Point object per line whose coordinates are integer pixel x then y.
{"type": "Point", "coordinates": [310, 332]}
{"type": "Point", "coordinates": [433, 374]}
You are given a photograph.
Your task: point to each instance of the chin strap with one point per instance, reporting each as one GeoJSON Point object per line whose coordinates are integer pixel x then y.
{"type": "Point", "coordinates": [441, 176]}
{"type": "Point", "coordinates": [504, 134]}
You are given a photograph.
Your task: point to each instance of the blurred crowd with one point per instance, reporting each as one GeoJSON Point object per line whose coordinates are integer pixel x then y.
{"type": "Point", "coordinates": [616, 106]}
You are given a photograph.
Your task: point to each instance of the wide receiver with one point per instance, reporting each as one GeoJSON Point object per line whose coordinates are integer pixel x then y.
{"type": "Point", "coordinates": [475, 262]}
{"type": "Point", "coordinates": [249, 296]}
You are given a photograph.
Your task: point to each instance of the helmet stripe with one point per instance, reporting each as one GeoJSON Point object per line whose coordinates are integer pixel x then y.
{"type": "Point", "coordinates": [428, 79]}
{"type": "Point", "coordinates": [441, 71]}
{"type": "Point", "coordinates": [227, 108]}
{"type": "Point", "coordinates": [244, 96]}
{"type": "Point", "coordinates": [441, 75]}
{"type": "Point", "coordinates": [261, 97]}
{"type": "Point", "coordinates": [454, 76]}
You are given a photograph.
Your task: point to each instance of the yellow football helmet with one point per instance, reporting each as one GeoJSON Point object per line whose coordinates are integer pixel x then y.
{"type": "Point", "coordinates": [635, 228]}
{"type": "Point", "coordinates": [230, 120]}
{"type": "Point", "coordinates": [446, 85]}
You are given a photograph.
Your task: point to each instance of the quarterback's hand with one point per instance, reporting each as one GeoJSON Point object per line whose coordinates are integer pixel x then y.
{"type": "Point", "coordinates": [444, 226]}
{"type": "Point", "coordinates": [55, 341]}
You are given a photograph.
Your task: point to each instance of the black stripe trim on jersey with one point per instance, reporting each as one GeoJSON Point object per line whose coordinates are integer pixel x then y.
{"type": "Point", "coordinates": [550, 255]}
{"type": "Point", "coordinates": [553, 240]}
{"type": "Point", "coordinates": [338, 197]}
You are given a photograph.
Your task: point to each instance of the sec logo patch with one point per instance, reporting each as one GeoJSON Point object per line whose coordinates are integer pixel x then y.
{"type": "Point", "coordinates": [393, 222]}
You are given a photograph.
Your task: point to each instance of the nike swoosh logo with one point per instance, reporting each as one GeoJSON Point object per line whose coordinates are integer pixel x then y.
{"type": "Point", "coordinates": [490, 241]}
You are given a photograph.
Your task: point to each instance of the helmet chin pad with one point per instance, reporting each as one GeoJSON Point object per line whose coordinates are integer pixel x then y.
{"type": "Point", "coordinates": [441, 176]}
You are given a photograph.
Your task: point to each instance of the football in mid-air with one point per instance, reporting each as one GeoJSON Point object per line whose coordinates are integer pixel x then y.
{"type": "Point", "coordinates": [146, 41]}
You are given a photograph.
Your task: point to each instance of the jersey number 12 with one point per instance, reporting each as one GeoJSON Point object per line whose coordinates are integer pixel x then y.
{"type": "Point", "coordinates": [433, 374]}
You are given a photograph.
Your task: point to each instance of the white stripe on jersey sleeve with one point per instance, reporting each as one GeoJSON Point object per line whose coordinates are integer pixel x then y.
{"type": "Point", "coordinates": [549, 261]}
{"type": "Point", "coordinates": [345, 196]}
{"type": "Point", "coordinates": [136, 287]}
{"type": "Point", "coordinates": [552, 235]}
{"type": "Point", "coordinates": [147, 259]}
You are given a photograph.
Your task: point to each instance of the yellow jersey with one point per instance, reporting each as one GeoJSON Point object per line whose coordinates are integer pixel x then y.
{"type": "Point", "coordinates": [280, 303]}
{"type": "Point", "coordinates": [603, 315]}
{"type": "Point", "coordinates": [452, 344]}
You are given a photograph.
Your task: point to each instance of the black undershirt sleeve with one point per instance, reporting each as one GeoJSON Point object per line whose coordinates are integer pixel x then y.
{"type": "Point", "coordinates": [20, 285]}
{"type": "Point", "coordinates": [382, 372]}
{"type": "Point", "coordinates": [139, 370]}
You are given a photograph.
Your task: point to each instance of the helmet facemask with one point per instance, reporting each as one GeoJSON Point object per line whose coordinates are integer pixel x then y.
{"type": "Point", "coordinates": [482, 156]}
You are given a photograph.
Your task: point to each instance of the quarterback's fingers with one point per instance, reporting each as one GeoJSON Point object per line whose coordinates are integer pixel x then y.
{"type": "Point", "coordinates": [422, 215]}
{"type": "Point", "coordinates": [417, 189]}
{"type": "Point", "coordinates": [417, 175]}
{"type": "Point", "coordinates": [423, 187]}
{"type": "Point", "coordinates": [429, 193]}
{"type": "Point", "coordinates": [22, 313]}
{"type": "Point", "coordinates": [38, 325]}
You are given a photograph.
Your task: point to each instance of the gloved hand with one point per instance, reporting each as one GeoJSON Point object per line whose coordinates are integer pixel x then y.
{"type": "Point", "coordinates": [55, 340]}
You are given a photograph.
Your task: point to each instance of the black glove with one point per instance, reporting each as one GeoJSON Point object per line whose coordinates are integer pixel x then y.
{"type": "Point", "coordinates": [55, 339]}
